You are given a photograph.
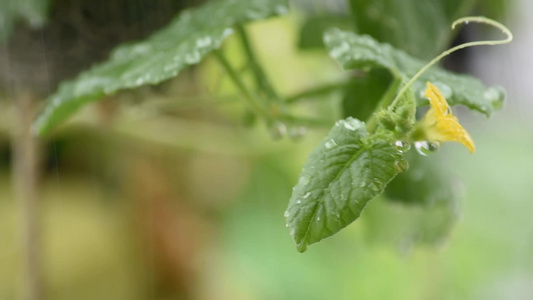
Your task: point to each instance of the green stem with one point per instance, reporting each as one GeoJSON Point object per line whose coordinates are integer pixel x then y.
{"type": "Point", "coordinates": [465, 20]}
{"type": "Point", "coordinates": [306, 121]}
{"type": "Point", "coordinates": [321, 90]}
{"type": "Point", "coordinates": [383, 103]}
{"type": "Point", "coordinates": [261, 79]}
{"type": "Point", "coordinates": [250, 98]}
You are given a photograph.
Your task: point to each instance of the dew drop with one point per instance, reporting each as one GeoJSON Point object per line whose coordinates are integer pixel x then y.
{"type": "Point", "coordinates": [377, 185]}
{"type": "Point", "coordinates": [296, 133]}
{"type": "Point", "coordinates": [302, 246]}
{"type": "Point", "coordinates": [401, 165]}
{"type": "Point", "coordinates": [330, 144]}
{"type": "Point", "coordinates": [351, 124]}
{"type": "Point", "coordinates": [362, 185]}
{"type": "Point", "coordinates": [307, 195]}
{"type": "Point", "coordinates": [303, 181]}
{"type": "Point", "coordinates": [340, 50]}
{"type": "Point", "coordinates": [496, 96]}
{"type": "Point", "coordinates": [286, 214]}
{"type": "Point", "coordinates": [204, 42]}
{"type": "Point", "coordinates": [298, 201]}
{"type": "Point", "coordinates": [318, 218]}
{"type": "Point", "coordinates": [426, 148]}
{"type": "Point", "coordinates": [227, 32]}
{"type": "Point", "coordinates": [402, 146]}
{"type": "Point", "coordinates": [278, 130]}
{"type": "Point", "coordinates": [193, 58]}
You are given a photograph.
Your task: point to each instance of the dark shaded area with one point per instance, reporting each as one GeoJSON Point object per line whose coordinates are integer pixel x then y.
{"type": "Point", "coordinates": [78, 33]}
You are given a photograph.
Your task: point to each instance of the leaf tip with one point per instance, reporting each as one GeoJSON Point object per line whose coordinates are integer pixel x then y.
{"type": "Point", "coordinates": [301, 247]}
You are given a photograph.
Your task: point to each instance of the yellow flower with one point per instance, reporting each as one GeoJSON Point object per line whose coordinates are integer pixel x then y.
{"type": "Point", "coordinates": [439, 124]}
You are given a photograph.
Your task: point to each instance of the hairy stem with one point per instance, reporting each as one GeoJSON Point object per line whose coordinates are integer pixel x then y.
{"type": "Point", "coordinates": [383, 103]}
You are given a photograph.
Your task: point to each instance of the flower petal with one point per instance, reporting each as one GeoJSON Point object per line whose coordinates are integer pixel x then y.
{"type": "Point", "coordinates": [440, 123]}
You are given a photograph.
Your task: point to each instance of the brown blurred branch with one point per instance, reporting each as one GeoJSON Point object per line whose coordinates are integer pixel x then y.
{"type": "Point", "coordinates": [25, 168]}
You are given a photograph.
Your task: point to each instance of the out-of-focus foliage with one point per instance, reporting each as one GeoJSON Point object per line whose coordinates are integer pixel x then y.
{"type": "Point", "coordinates": [184, 42]}
{"type": "Point", "coordinates": [311, 34]}
{"type": "Point", "coordinates": [419, 27]}
{"type": "Point", "coordinates": [364, 93]}
{"type": "Point", "coordinates": [363, 52]}
{"type": "Point", "coordinates": [34, 12]}
{"type": "Point", "coordinates": [425, 183]}
{"type": "Point", "coordinates": [428, 204]}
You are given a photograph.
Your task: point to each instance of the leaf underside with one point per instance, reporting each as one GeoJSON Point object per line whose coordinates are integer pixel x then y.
{"type": "Point", "coordinates": [185, 41]}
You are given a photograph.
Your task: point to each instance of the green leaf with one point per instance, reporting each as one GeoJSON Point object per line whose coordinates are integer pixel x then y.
{"type": "Point", "coordinates": [364, 93]}
{"type": "Point", "coordinates": [313, 29]}
{"type": "Point", "coordinates": [184, 42]}
{"type": "Point", "coordinates": [354, 51]}
{"type": "Point", "coordinates": [405, 226]}
{"type": "Point", "coordinates": [420, 27]}
{"type": "Point", "coordinates": [424, 183]}
{"type": "Point", "coordinates": [422, 206]}
{"type": "Point", "coordinates": [32, 11]}
{"type": "Point", "coordinates": [341, 175]}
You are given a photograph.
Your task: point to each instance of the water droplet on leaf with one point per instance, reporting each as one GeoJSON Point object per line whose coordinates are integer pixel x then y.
{"type": "Point", "coordinates": [402, 146]}
{"type": "Point", "coordinates": [204, 42]}
{"type": "Point", "coordinates": [401, 165]}
{"type": "Point", "coordinates": [496, 96]}
{"type": "Point", "coordinates": [301, 246]}
{"type": "Point", "coordinates": [426, 148]}
{"type": "Point", "coordinates": [278, 130]}
{"type": "Point", "coordinates": [377, 185]}
{"type": "Point", "coordinates": [296, 133]}
{"type": "Point", "coordinates": [303, 181]}
{"type": "Point", "coordinates": [351, 124]}
{"type": "Point", "coordinates": [330, 144]}
{"type": "Point", "coordinates": [193, 58]}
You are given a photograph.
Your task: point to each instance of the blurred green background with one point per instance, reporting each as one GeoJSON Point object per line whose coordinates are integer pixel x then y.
{"type": "Point", "coordinates": [176, 192]}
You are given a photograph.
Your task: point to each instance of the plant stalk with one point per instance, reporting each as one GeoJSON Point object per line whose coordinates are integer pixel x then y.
{"type": "Point", "coordinates": [250, 98]}
{"type": "Point", "coordinates": [25, 173]}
